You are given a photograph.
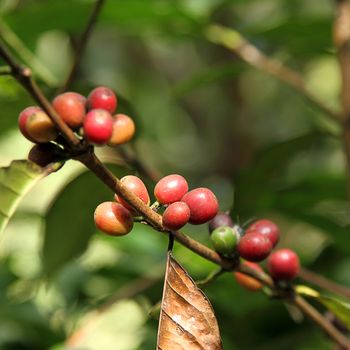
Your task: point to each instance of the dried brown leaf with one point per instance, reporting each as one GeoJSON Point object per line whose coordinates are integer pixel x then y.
{"type": "Point", "coordinates": [187, 320]}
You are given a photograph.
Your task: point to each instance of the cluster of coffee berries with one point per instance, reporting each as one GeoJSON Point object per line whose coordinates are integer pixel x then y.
{"type": "Point", "coordinates": [253, 245]}
{"type": "Point", "coordinates": [181, 206]}
{"type": "Point", "coordinates": [196, 207]}
{"type": "Point", "coordinates": [92, 118]}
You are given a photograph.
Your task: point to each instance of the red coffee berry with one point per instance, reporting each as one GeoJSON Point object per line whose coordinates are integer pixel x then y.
{"type": "Point", "coordinates": [113, 219]}
{"type": "Point", "coordinates": [40, 127]}
{"type": "Point", "coordinates": [246, 281]}
{"type": "Point", "coordinates": [170, 189]}
{"type": "Point", "coordinates": [221, 219]}
{"type": "Point", "coordinates": [267, 228]}
{"type": "Point", "coordinates": [135, 185]}
{"type": "Point", "coordinates": [22, 120]}
{"type": "Point", "coordinates": [102, 97]}
{"type": "Point", "coordinates": [254, 247]}
{"type": "Point", "coordinates": [176, 215]}
{"type": "Point", "coordinates": [43, 154]}
{"type": "Point", "coordinates": [98, 126]}
{"type": "Point", "coordinates": [123, 130]}
{"type": "Point", "coordinates": [71, 107]}
{"type": "Point", "coordinates": [283, 264]}
{"type": "Point", "coordinates": [203, 205]}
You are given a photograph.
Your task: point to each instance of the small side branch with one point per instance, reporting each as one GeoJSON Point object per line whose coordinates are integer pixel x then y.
{"type": "Point", "coordinates": [248, 53]}
{"type": "Point", "coordinates": [210, 278]}
{"type": "Point", "coordinates": [82, 44]}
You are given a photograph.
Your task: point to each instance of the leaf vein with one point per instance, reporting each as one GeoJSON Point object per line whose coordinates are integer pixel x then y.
{"type": "Point", "coordinates": [190, 335]}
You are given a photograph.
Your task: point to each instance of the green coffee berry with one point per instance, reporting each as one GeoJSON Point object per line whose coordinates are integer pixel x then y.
{"type": "Point", "coordinates": [224, 240]}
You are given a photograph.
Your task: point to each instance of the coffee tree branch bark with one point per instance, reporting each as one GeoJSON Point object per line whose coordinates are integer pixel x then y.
{"type": "Point", "coordinates": [235, 42]}
{"type": "Point", "coordinates": [86, 155]}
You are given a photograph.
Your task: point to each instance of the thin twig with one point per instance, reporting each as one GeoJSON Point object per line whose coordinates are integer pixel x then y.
{"type": "Point", "coordinates": [324, 282]}
{"type": "Point", "coordinates": [210, 278]}
{"type": "Point", "coordinates": [235, 42]}
{"type": "Point", "coordinates": [82, 44]}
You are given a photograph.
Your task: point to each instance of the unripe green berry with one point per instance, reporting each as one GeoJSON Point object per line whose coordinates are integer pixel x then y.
{"type": "Point", "coordinates": [224, 240]}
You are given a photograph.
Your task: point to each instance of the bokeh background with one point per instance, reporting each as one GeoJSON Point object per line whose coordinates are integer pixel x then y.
{"type": "Point", "coordinates": [200, 112]}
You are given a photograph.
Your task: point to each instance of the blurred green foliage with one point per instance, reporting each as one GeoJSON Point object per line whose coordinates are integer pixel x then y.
{"type": "Point", "coordinates": [200, 112]}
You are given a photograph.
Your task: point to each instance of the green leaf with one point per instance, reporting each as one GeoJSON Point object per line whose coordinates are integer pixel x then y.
{"type": "Point", "coordinates": [69, 221]}
{"type": "Point", "coordinates": [303, 202]}
{"type": "Point", "coordinates": [288, 35]}
{"type": "Point", "coordinates": [28, 28]}
{"type": "Point", "coordinates": [266, 170]}
{"type": "Point", "coordinates": [338, 307]}
{"type": "Point", "coordinates": [15, 181]}
{"type": "Point", "coordinates": [134, 15]}
{"type": "Point", "coordinates": [213, 75]}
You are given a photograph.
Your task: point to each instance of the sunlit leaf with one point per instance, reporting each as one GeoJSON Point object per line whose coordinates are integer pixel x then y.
{"type": "Point", "coordinates": [187, 319]}
{"type": "Point", "coordinates": [338, 307]}
{"type": "Point", "coordinates": [117, 327]}
{"type": "Point", "coordinates": [15, 181]}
